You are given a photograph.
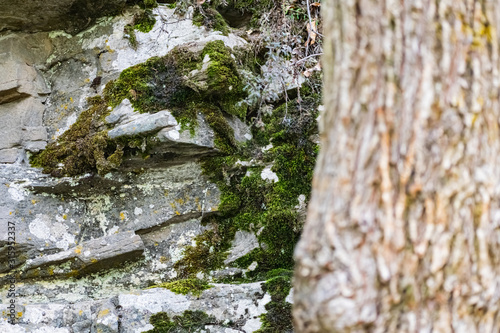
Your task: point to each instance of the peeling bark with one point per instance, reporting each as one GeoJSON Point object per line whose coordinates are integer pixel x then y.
{"type": "Point", "coordinates": [403, 228]}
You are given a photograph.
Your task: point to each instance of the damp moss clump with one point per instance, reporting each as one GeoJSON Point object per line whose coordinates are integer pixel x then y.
{"type": "Point", "coordinates": [85, 147]}
{"type": "Point", "coordinates": [255, 7]}
{"type": "Point", "coordinates": [189, 321]}
{"type": "Point", "coordinates": [209, 17]}
{"type": "Point", "coordinates": [278, 317]}
{"type": "Point", "coordinates": [271, 210]}
{"type": "Point", "coordinates": [186, 286]}
{"type": "Point", "coordinates": [143, 22]}
{"type": "Point", "coordinates": [187, 82]}
{"type": "Point", "coordinates": [182, 77]}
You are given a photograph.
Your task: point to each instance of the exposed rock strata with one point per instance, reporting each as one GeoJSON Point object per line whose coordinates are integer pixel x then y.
{"type": "Point", "coordinates": [89, 246]}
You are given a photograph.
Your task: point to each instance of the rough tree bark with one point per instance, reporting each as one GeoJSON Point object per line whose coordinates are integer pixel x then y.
{"type": "Point", "coordinates": [403, 228]}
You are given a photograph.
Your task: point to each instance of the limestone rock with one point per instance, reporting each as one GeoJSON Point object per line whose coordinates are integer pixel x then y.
{"type": "Point", "coordinates": [236, 308]}
{"type": "Point", "coordinates": [119, 233]}
{"type": "Point", "coordinates": [244, 242]}
{"type": "Point", "coordinates": [69, 15]}
{"type": "Point", "coordinates": [143, 124]}
{"type": "Point", "coordinates": [103, 252]}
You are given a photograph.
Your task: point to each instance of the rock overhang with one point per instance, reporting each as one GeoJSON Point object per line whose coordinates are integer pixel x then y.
{"type": "Point", "coordinates": [71, 16]}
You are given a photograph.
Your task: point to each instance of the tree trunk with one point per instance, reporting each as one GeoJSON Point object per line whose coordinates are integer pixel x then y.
{"type": "Point", "coordinates": [403, 228]}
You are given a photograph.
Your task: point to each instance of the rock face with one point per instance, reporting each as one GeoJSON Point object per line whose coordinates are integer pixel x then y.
{"type": "Point", "coordinates": [70, 15]}
{"type": "Point", "coordinates": [88, 246]}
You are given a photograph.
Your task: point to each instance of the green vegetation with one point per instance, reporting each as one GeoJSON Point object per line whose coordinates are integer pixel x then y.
{"type": "Point", "coordinates": [186, 286]}
{"type": "Point", "coordinates": [255, 7]}
{"type": "Point", "coordinates": [181, 81]}
{"type": "Point", "coordinates": [210, 18]}
{"type": "Point", "coordinates": [144, 4]}
{"type": "Point", "coordinates": [84, 147]}
{"type": "Point", "coordinates": [250, 203]}
{"type": "Point", "coordinates": [143, 22]}
{"type": "Point", "coordinates": [178, 79]}
{"type": "Point", "coordinates": [189, 321]}
{"type": "Point", "coordinates": [278, 317]}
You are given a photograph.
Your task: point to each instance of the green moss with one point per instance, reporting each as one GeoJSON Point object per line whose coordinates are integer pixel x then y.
{"type": "Point", "coordinates": [158, 83]}
{"type": "Point", "coordinates": [149, 4]}
{"type": "Point", "coordinates": [162, 82]}
{"type": "Point", "coordinates": [208, 253]}
{"type": "Point", "coordinates": [210, 18]}
{"type": "Point", "coordinates": [144, 4]}
{"type": "Point", "coordinates": [130, 34]}
{"type": "Point", "coordinates": [186, 286]}
{"type": "Point", "coordinates": [85, 147]}
{"type": "Point", "coordinates": [250, 203]}
{"type": "Point", "coordinates": [278, 317]}
{"type": "Point", "coordinates": [224, 82]}
{"type": "Point", "coordinates": [144, 22]}
{"type": "Point", "coordinates": [189, 321]}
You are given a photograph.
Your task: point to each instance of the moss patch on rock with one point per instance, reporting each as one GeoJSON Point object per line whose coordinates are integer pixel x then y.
{"type": "Point", "coordinates": [84, 147]}
{"type": "Point", "coordinates": [251, 203]}
{"type": "Point", "coordinates": [189, 321]}
{"type": "Point", "coordinates": [143, 22]}
{"type": "Point", "coordinates": [209, 17]}
{"type": "Point", "coordinates": [186, 286]}
{"type": "Point", "coordinates": [185, 81]}
{"type": "Point", "coordinates": [278, 317]}
{"type": "Point", "coordinates": [182, 77]}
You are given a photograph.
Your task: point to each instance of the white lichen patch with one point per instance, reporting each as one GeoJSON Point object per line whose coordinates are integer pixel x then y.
{"type": "Point", "coordinates": [43, 228]}
{"type": "Point", "coordinates": [302, 202]}
{"type": "Point", "coordinates": [268, 174]}
{"type": "Point", "coordinates": [155, 300]}
{"type": "Point", "coordinates": [15, 193]}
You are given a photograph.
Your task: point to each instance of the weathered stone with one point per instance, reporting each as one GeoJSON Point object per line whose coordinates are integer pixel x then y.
{"type": "Point", "coordinates": [34, 133]}
{"type": "Point", "coordinates": [235, 308]}
{"type": "Point", "coordinates": [19, 80]}
{"type": "Point", "coordinates": [130, 226]}
{"type": "Point", "coordinates": [143, 124]}
{"type": "Point", "coordinates": [9, 155]}
{"type": "Point", "coordinates": [35, 146]}
{"type": "Point", "coordinates": [244, 242]}
{"type": "Point", "coordinates": [242, 132]}
{"type": "Point", "coordinates": [121, 112]}
{"type": "Point", "coordinates": [176, 140]}
{"type": "Point", "coordinates": [104, 252]}
{"type": "Point", "coordinates": [39, 15]}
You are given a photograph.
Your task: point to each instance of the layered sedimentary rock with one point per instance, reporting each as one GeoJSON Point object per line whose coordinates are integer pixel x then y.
{"type": "Point", "coordinates": [91, 237]}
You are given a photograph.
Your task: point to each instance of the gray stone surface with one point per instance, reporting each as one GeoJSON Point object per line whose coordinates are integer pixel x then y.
{"type": "Point", "coordinates": [9, 155]}
{"type": "Point", "coordinates": [142, 124]}
{"type": "Point", "coordinates": [203, 137]}
{"type": "Point", "coordinates": [88, 247]}
{"type": "Point", "coordinates": [107, 251]}
{"type": "Point", "coordinates": [39, 15]}
{"type": "Point", "coordinates": [244, 242]}
{"type": "Point", "coordinates": [236, 308]}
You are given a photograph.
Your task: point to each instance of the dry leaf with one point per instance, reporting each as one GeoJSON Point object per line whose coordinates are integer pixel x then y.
{"type": "Point", "coordinates": [312, 35]}
{"type": "Point", "coordinates": [316, 4]}
{"type": "Point", "coordinates": [309, 71]}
